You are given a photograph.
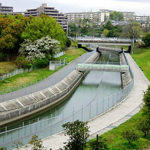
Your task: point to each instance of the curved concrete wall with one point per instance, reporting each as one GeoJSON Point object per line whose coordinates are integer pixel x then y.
{"type": "Point", "coordinates": [126, 77]}
{"type": "Point", "coordinates": [33, 103]}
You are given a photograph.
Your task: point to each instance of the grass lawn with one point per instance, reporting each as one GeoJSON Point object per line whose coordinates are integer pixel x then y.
{"type": "Point", "coordinates": [26, 79]}
{"type": "Point", "coordinates": [114, 138]}
{"type": "Point", "coordinates": [6, 67]}
{"type": "Point", "coordinates": [142, 58]}
{"type": "Point", "coordinates": [115, 141]}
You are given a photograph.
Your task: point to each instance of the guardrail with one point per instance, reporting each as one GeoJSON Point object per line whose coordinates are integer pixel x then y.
{"type": "Point", "coordinates": [53, 125]}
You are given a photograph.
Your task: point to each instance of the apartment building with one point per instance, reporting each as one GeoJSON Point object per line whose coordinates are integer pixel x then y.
{"type": "Point", "coordinates": [98, 17]}
{"type": "Point", "coordinates": [5, 9]}
{"type": "Point", "coordinates": [128, 15]}
{"type": "Point", "coordinates": [142, 18]}
{"type": "Point", "coordinates": [50, 11]}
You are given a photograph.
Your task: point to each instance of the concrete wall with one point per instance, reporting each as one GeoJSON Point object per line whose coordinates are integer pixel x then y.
{"type": "Point", "coordinates": [30, 104]}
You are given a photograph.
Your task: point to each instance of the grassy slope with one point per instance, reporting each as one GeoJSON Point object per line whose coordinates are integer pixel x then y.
{"type": "Point", "coordinates": [27, 79]}
{"type": "Point", "coordinates": [114, 137]}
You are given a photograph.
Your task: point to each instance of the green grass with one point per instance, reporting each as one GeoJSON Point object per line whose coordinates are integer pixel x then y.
{"type": "Point", "coordinates": [115, 141]}
{"type": "Point", "coordinates": [27, 79]}
{"type": "Point", "coordinates": [142, 58]}
{"type": "Point", "coordinates": [6, 67]}
{"type": "Point", "coordinates": [114, 137]}
{"type": "Point", "coordinates": [71, 54]}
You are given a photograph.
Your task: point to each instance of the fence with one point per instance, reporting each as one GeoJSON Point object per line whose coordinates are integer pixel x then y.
{"type": "Point", "coordinates": [15, 72]}
{"type": "Point", "coordinates": [53, 125]}
{"type": "Point", "coordinates": [53, 65]}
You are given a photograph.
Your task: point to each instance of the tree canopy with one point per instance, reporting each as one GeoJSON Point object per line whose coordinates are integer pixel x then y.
{"type": "Point", "coordinates": [42, 26]}
{"type": "Point", "coordinates": [132, 30]}
{"type": "Point", "coordinates": [78, 133]}
{"type": "Point", "coordinates": [114, 15]}
{"type": "Point", "coordinates": [41, 48]}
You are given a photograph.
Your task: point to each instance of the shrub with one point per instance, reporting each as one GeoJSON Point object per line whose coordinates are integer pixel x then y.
{"type": "Point", "coordinates": [146, 39]}
{"type": "Point", "coordinates": [68, 42]}
{"type": "Point", "coordinates": [143, 125]}
{"type": "Point", "coordinates": [100, 143]}
{"type": "Point", "coordinates": [41, 63]}
{"type": "Point", "coordinates": [130, 136]}
{"type": "Point", "coordinates": [22, 62]}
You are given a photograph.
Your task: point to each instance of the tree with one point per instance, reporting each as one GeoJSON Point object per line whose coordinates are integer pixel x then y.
{"type": "Point", "coordinates": [109, 25]}
{"type": "Point", "coordinates": [114, 15]}
{"type": "Point", "coordinates": [44, 47]}
{"type": "Point", "coordinates": [146, 39]}
{"type": "Point", "coordinates": [105, 32]}
{"type": "Point", "coordinates": [132, 30]}
{"type": "Point", "coordinates": [130, 136]}
{"type": "Point", "coordinates": [42, 26]}
{"type": "Point", "coordinates": [37, 143]}
{"type": "Point", "coordinates": [78, 133]}
{"type": "Point", "coordinates": [11, 28]}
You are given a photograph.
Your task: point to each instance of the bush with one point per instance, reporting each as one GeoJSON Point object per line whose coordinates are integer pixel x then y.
{"type": "Point", "coordinates": [41, 63]}
{"type": "Point", "coordinates": [68, 42]}
{"type": "Point", "coordinates": [144, 126]}
{"type": "Point", "coordinates": [100, 143]}
{"type": "Point", "coordinates": [146, 39]}
{"type": "Point", "coordinates": [22, 62]}
{"type": "Point", "coordinates": [130, 136]}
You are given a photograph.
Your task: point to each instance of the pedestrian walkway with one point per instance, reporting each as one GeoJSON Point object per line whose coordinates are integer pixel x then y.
{"type": "Point", "coordinates": [112, 118]}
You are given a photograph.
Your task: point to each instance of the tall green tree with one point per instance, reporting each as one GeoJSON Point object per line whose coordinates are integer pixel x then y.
{"type": "Point", "coordinates": [78, 133]}
{"type": "Point", "coordinates": [42, 26]}
{"type": "Point", "coordinates": [114, 15]}
{"type": "Point", "coordinates": [109, 25]}
{"type": "Point", "coordinates": [132, 30]}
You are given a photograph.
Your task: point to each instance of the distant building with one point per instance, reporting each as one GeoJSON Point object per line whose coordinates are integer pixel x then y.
{"type": "Point", "coordinates": [99, 16]}
{"type": "Point", "coordinates": [50, 11]}
{"type": "Point", "coordinates": [5, 9]}
{"type": "Point", "coordinates": [128, 15]}
{"type": "Point", "coordinates": [142, 18]}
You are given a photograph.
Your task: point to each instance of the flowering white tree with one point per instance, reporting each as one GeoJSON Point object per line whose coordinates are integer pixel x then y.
{"type": "Point", "coordinates": [44, 47]}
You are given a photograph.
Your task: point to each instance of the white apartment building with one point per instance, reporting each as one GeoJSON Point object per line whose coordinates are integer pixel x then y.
{"type": "Point", "coordinates": [5, 9]}
{"type": "Point", "coordinates": [128, 15]}
{"type": "Point", "coordinates": [142, 18]}
{"type": "Point", "coordinates": [99, 16]}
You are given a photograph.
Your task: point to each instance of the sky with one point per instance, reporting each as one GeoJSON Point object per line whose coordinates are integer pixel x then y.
{"type": "Point", "coordinates": [140, 7]}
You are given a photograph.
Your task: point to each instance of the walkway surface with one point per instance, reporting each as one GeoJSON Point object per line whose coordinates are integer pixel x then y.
{"type": "Point", "coordinates": [112, 118]}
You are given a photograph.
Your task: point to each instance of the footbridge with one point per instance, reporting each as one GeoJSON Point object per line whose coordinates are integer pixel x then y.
{"type": "Point", "coordinates": [105, 41]}
{"type": "Point", "coordinates": [102, 67]}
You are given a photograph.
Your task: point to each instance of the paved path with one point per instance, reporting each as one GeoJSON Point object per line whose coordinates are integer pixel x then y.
{"type": "Point", "coordinates": [114, 117]}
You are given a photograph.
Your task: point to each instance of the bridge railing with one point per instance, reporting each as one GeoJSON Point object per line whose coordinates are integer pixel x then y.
{"type": "Point", "coordinates": [53, 125]}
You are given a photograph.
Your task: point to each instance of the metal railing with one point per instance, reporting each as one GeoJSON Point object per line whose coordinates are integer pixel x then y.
{"type": "Point", "coordinates": [53, 125]}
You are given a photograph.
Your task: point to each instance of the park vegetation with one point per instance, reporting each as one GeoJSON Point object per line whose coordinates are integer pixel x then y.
{"type": "Point", "coordinates": [30, 39]}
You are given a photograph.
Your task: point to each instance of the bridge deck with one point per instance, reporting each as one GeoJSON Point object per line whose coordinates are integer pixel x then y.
{"type": "Point", "coordinates": [102, 67]}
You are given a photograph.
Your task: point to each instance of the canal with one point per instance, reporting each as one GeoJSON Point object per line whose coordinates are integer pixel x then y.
{"type": "Point", "coordinates": [95, 85]}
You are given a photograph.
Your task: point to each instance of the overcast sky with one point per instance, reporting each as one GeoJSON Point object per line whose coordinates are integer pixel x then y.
{"type": "Point", "coordinates": [140, 7]}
